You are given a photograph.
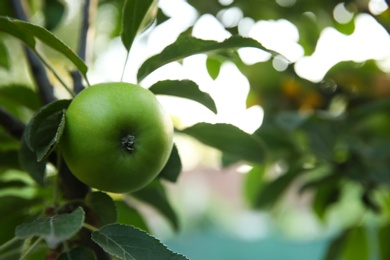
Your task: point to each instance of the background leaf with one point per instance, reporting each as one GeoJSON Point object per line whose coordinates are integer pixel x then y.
{"type": "Point", "coordinates": [13, 211]}
{"type": "Point", "coordinates": [29, 163]}
{"type": "Point", "coordinates": [185, 89]}
{"type": "Point", "coordinates": [9, 159]}
{"type": "Point", "coordinates": [356, 246]}
{"type": "Point", "coordinates": [130, 216]}
{"type": "Point", "coordinates": [54, 12]}
{"type": "Point", "coordinates": [20, 95]}
{"type": "Point", "coordinates": [103, 208]}
{"type": "Point", "coordinates": [383, 239]}
{"type": "Point", "coordinates": [271, 192]}
{"type": "Point", "coordinates": [4, 60]}
{"type": "Point", "coordinates": [336, 246]}
{"type": "Point", "coordinates": [127, 242]}
{"type": "Point", "coordinates": [154, 195]}
{"type": "Point", "coordinates": [55, 229]}
{"type": "Point", "coordinates": [173, 167]}
{"type": "Point", "coordinates": [78, 253]}
{"type": "Point", "coordinates": [229, 139]}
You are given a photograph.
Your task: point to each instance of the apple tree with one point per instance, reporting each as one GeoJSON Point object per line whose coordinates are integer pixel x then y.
{"type": "Point", "coordinates": [46, 210]}
{"type": "Point", "coordinates": [331, 138]}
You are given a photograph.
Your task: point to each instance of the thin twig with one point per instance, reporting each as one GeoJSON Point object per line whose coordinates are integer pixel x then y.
{"type": "Point", "coordinates": [11, 124]}
{"type": "Point", "coordinates": [90, 227]}
{"type": "Point", "coordinates": [31, 247]}
{"type": "Point", "coordinates": [38, 71]}
{"type": "Point", "coordinates": [9, 243]}
{"type": "Point", "coordinates": [63, 83]}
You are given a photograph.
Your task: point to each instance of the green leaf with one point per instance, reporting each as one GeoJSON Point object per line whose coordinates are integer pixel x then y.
{"type": "Point", "coordinates": [356, 246]}
{"type": "Point", "coordinates": [291, 120]}
{"type": "Point", "coordinates": [13, 211]}
{"type": "Point", "coordinates": [54, 11]}
{"type": "Point", "coordinates": [369, 109]}
{"type": "Point", "coordinates": [51, 40]}
{"type": "Point", "coordinates": [4, 60]}
{"type": "Point", "coordinates": [28, 162]}
{"type": "Point", "coordinates": [154, 195]}
{"type": "Point", "coordinates": [7, 25]}
{"type": "Point", "coordinates": [172, 168]}
{"type": "Point", "coordinates": [336, 246]}
{"type": "Point", "coordinates": [229, 139]}
{"type": "Point", "coordinates": [351, 244]}
{"type": "Point", "coordinates": [130, 243]}
{"type": "Point", "coordinates": [55, 229]}
{"type": "Point", "coordinates": [26, 32]}
{"type": "Point", "coordinates": [185, 89]}
{"type": "Point", "coordinates": [103, 208]}
{"type": "Point", "coordinates": [45, 128]}
{"type": "Point", "coordinates": [52, 131]}
{"type": "Point", "coordinates": [383, 239]}
{"type": "Point", "coordinates": [187, 45]}
{"type": "Point", "coordinates": [271, 192]}
{"type": "Point", "coordinates": [78, 253]}
{"type": "Point", "coordinates": [130, 216]}
{"type": "Point", "coordinates": [213, 67]}
{"type": "Point", "coordinates": [331, 179]}
{"type": "Point", "coordinates": [137, 15]}
{"type": "Point", "coordinates": [253, 183]}
{"type": "Point", "coordinates": [9, 159]}
{"type": "Point", "coordinates": [325, 196]}
{"type": "Point", "coordinates": [21, 96]}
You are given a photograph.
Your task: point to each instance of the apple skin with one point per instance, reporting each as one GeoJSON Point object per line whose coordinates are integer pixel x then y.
{"type": "Point", "coordinates": [117, 137]}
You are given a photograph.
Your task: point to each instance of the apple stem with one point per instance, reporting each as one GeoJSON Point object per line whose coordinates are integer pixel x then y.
{"type": "Point", "coordinates": [127, 142]}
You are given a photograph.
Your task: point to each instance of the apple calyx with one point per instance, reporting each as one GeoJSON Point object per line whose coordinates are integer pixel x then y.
{"type": "Point", "coordinates": [127, 142]}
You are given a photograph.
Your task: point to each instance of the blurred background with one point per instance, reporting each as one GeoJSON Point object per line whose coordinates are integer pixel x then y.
{"type": "Point", "coordinates": [321, 107]}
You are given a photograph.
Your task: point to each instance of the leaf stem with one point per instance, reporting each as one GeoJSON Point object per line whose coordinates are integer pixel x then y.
{"type": "Point", "coordinates": [71, 92]}
{"type": "Point", "coordinates": [124, 65]}
{"type": "Point", "coordinates": [8, 243]}
{"type": "Point", "coordinates": [31, 248]}
{"type": "Point", "coordinates": [90, 227]}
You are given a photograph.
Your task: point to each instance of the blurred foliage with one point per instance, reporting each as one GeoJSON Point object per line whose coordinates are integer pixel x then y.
{"type": "Point", "coordinates": [316, 138]}
{"type": "Point", "coordinates": [323, 135]}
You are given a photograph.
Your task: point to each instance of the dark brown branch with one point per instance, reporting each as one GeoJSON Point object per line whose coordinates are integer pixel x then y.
{"type": "Point", "coordinates": [38, 71]}
{"type": "Point", "coordinates": [82, 48]}
{"type": "Point", "coordinates": [11, 124]}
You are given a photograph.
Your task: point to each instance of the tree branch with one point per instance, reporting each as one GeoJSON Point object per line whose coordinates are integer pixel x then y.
{"type": "Point", "coordinates": [11, 124]}
{"type": "Point", "coordinates": [38, 71]}
{"type": "Point", "coordinates": [82, 48]}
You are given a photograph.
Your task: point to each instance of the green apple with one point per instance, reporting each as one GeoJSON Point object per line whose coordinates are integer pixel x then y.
{"type": "Point", "coordinates": [117, 137]}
